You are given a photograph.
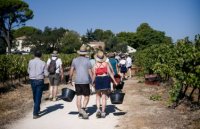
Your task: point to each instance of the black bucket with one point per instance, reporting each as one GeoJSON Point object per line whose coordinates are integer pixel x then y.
{"type": "Point", "coordinates": [117, 97]}
{"type": "Point", "coordinates": [68, 94]}
{"type": "Point", "coordinates": [45, 87]}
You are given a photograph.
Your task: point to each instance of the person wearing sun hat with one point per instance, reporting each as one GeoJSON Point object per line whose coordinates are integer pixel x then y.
{"type": "Point", "coordinates": [101, 80]}
{"type": "Point", "coordinates": [55, 76]}
{"type": "Point", "coordinates": [83, 68]}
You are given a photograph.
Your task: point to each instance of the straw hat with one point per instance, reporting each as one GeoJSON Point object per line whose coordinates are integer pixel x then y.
{"type": "Point", "coordinates": [100, 57]}
{"type": "Point", "coordinates": [55, 53]}
{"type": "Point", "coordinates": [83, 50]}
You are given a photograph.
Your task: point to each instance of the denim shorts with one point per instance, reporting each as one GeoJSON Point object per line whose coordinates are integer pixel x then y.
{"type": "Point", "coordinates": [102, 83]}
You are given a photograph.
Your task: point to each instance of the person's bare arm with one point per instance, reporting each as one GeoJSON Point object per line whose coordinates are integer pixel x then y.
{"type": "Point", "coordinates": [90, 73]}
{"type": "Point", "coordinates": [94, 75]}
{"type": "Point", "coordinates": [71, 74]}
{"type": "Point", "coordinates": [61, 72]}
{"type": "Point", "coordinates": [110, 66]}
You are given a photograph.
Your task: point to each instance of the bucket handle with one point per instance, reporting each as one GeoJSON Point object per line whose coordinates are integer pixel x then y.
{"type": "Point", "coordinates": [72, 84]}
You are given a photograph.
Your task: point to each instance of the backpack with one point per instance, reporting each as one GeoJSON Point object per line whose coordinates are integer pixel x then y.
{"type": "Point", "coordinates": [52, 66]}
{"type": "Point", "coordinates": [123, 69]}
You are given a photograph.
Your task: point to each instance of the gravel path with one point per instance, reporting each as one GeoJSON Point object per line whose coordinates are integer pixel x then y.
{"type": "Point", "coordinates": [64, 115]}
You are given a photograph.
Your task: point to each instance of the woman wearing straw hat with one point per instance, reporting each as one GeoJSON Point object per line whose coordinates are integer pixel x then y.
{"type": "Point", "coordinates": [101, 78]}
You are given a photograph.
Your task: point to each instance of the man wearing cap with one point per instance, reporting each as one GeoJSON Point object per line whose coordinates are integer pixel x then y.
{"type": "Point", "coordinates": [54, 78]}
{"type": "Point", "coordinates": [83, 69]}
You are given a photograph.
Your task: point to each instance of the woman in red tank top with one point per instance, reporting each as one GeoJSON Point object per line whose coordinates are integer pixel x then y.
{"type": "Point", "coordinates": [102, 76]}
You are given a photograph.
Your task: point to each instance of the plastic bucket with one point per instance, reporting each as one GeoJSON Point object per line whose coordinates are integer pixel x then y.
{"type": "Point", "coordinates": [68, 94]}
{"type": "Point", "coordinates": [45, 87]}
{"type": "Point", "coordinates": [117, 97]}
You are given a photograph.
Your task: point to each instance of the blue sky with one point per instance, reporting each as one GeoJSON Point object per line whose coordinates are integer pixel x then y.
{"type": "Point", "coordinates": [177, 18]}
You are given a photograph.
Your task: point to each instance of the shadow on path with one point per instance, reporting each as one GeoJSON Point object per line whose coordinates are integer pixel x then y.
{"type": "Point", "coordinates": [51, 109]}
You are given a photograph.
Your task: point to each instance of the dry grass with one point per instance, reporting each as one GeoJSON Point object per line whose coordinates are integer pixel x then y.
{"type": "Point", "coordinates": [14, 103]}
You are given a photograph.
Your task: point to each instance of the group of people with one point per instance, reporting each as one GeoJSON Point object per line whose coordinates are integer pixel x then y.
{"type": "Point", "coordinates": [97, 71]}
{"type": "Point", "coordinates": [38, 70]}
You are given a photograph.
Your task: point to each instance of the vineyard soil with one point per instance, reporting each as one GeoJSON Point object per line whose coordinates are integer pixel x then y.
{"type": "Point", "coordinates": [137, 111]}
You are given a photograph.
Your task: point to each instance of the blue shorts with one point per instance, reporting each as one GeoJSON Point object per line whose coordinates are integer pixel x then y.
{"type": "Point", "coordinates": [102, 83]}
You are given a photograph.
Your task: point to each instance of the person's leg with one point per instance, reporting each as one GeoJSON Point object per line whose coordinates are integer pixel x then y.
{"type": "Point", "coordinates": [33, 87]}
{"type": "Point", "coordinates": [86, 93]}
{"type": "Point", "coordinates": [98, 102]}
{"type": "Point", "coordinates": [51, 92]}
{"type": "Point", "coordinates": [56, 83]}
{"type": "Point", "coordinates": [38, 97]}
{"type": "Point", "coordinates": [103, 113]}
{"type": "Point", "coordinates": [85, 101]}
{"type": "Point", "coordinates": [78, 102]}
{"type": "Point", "coordinates": [98, 99]}
{"type": "Point", "coordinates": [130, 74]}
{"type": "Point", "coordinates": [51, 80]}
{"type": "Point", "coordinates": [55, 92]}
{"type": "Point", "coordinates": [104, 95]}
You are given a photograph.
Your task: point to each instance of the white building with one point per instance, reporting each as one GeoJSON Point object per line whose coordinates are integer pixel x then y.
{"type": "Point", "coordinates": [19, 46]}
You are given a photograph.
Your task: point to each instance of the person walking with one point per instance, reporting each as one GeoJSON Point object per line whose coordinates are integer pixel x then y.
{"type": "Point", "coordinates": [83, 69]}
{"type": "Point", "coordinates": [101, 79]}
{"type": "Point", "coordinates": [129, 65]}
{"type": "Point", "coordinates": [123, 68]}
{"type": "Point", "coordinates": [55, 70]}
{"type": "Point", "coordinates": [115, 68]}
{"type": "Point", "coordinates": [37, 70]}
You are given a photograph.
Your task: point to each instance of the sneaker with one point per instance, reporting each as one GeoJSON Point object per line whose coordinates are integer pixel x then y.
{"type": "Point", "coordinates": [98, 114]}
{"type": "Point", "coordinates": [35, 116]}
{"type": "Point", "coordinates": [103, 115]}
{"type": "Point", "coordinates": [84, 114]}
{"type": "Point", "coordinates": [50, 98]}
{"type": "Point", "coordinates": [54, 99]}
{"type": "Point", "coordinates": [80, 115]}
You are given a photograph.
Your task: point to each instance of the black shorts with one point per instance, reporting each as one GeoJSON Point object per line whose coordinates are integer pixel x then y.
{"type": "Point", "coordinates": [82, 89]}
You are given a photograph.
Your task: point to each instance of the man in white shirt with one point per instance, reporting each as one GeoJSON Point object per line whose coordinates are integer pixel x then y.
{"type": "Point", "coordinates": [123, 68]}
{"type": "Point", "coordinates": [54, 77]}
{"type": "Point", "coordinates": [129, 64]}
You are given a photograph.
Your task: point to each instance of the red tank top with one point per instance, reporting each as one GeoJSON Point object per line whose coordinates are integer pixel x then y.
{"type": "Point", "coordinates": [101, 68]}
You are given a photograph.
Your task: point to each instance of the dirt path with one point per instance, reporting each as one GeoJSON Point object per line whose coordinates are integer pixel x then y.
{"type": "Point", "coordinates": [137, 112]}
{"type": "Point", "coordinates": [64, 115]}
{"type": "Point", "coordinates": [143, 113]}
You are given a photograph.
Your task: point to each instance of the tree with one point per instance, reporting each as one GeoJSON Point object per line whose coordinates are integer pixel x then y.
{"type": "Point", "coordinates": [130, 38]}
{"type": "Point", "coordinates": [90, 35]}
{"type": "Point", "coordinates": [2, 46]}
{"type": "Point", "coordinates": [51, 38]}
{"type": "Point", "coordinates": [147, 36]}
{"type": "Point", "coordinates": [111, 43]}
{"type": "Point", "coordinates": [25, 31]}
{"type": "Point", "coordinates": [98, 34]}
{"type": "Point", "coordinates": [13, 13]}
{"type": "Point", "coordinates": [70, 42]}
{"type": "Point", "coordinates": [46, 41]}
{"type": "Point", "coordinates": [107, 35]}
